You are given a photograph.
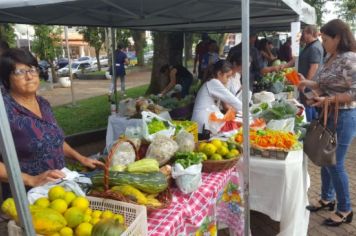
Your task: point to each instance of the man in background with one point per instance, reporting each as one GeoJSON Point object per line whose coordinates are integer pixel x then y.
{"type": "Point", "coordinates": [120, 61]}
{"type": "Point", "coordinates": [201, 49]}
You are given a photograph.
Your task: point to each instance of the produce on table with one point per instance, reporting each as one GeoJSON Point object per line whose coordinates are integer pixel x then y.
{"type": "Point", "coordinates": [162, 148]}
{"type": "Point", "coordinates": [49, 218]}
{"type": "Point", "coordinates": [108, 227]}
{"type": "Point", "coordinates": [156, 125]}
{"type": "Point", "coordinates": [187, 159]}
{"type": "Point", "coordinates": [185, 141]}
{"type": "Point", "coordinates": [280, 110]}
{"type": "Point", "coordinates": [131, 192]}
{"type": "Point", "coordinates": [145, 165]}
{"type": "Point", "coordinates": [153, 182]}
{"type": "Point", "coordinates": [293, 77]}
{"type": "Point", "coordinates": [271, 139]}
{"type": "Point", "coordinates": [219, 150]}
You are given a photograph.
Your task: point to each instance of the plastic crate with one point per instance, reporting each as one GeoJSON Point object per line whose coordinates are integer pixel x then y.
{"type": "Point", "coordinates": [135, 216]}
{"type": "Point", "coordinates": [189, 126]}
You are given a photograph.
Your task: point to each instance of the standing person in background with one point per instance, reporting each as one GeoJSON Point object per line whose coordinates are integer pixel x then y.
{"type": "Point", "coordinates": [310, 60]}
{"type": "Point", "coordinates": [285, 52]}
{"type": "Point", "coordinates": [209, 58]}
{"type": "Point", "coordinates": [201, 48]}
{"type": "Point", "coordinates": [120, 61]}
{"type": "Point", "coordinates": [266, 53]}
{"type": "Point", "coordinates": [336, 80]}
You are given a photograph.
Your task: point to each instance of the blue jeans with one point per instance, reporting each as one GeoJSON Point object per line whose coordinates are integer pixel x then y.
{"type": "Point", "coordinates": [334, 179]}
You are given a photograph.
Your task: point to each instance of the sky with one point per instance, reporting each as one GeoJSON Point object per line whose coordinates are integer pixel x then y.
{"type": "Point", "coordinates": [330, 5]}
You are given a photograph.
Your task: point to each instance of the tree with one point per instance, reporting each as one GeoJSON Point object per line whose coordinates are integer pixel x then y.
{"type": "Point", "coordinates": [168, 48]}
{"type": "Point", "coordinates": [347, 11]}
{"type": "Point", "coordinates": [139, 38]}
{"type": "Point", "coordinates": [122, 37]}
{"type": "Point", "coordinates": [7, 33]}
{"type": "Point", "coordinates": [46, 44]}
{"type": "Point", "coordinates": [319, 9]}
{"type": "Point", "coordinates": [95, 36]}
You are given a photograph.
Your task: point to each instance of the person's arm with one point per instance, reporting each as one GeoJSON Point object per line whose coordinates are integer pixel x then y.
{"type": "Point", "coordinates": [33, 181]}
{"type": "Point", "coordinates": [85, 161]}
{"type": "Point", "coordinates": [269, 69]}
{"type": "Point", "coordinates": [218, 90]}
{"type": "Point", "coordinates": [307, 83]}
{"type": "Point", "coordinates": [172, 81]}
{"type": "Point", "coordinates": [312, 71]}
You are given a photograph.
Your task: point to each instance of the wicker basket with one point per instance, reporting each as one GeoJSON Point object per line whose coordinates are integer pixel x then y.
{"type": "Point", "coordinates": [164, 197]}
{"type": "Point", "coordinates": [269, 153]}
{"type": "Point", "coordinates": [135, 216]}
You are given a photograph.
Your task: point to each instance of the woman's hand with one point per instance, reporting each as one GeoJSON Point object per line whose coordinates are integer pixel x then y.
{"type": "Point", "coordinates": [318, 101]}
{"type": "Point", "coordinates": [45, 177]}
{"type": "Point", "coordinates": [91, 163]}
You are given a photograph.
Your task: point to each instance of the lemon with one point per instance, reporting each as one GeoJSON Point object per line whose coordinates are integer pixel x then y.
{"type": "Point", "coordinates": [222, 150]}
{"type": "Point", "coordinates": [69, 197]}
{"type": "Point", "coordinates": [87, 218]}
{"type": "Point", "coordinates": [93, 221]}
{"type": "Point", "coordinates": [96, 214]}
{"type": "Point", "coordinates": [83, 229]}
{"type": "Point", "coordinates": [201, 147]}
{"type": "Point", "coordinates": [107, 214]}
{"type": "Point", "coordinates": [74, 216]}
{"type": "Point", "coordinates": [59, 205]}
{"type": "Point", "coordinates": [225, 144]}
{"type": "Point", "coordinates": [80, 202]}
{"type": "Point", "coordinates": [204, 157]}
{"type": "Point", "coordinates": [56, 192]}
{"type": "Point", "coordinates": [88, 211]}
{"type": "Point", "coordinates": [42, 202]}
{"type": "Point", "coordinates": [209, 149]}
{"type": "Point", "coordinates": [230, 155]}
{"type": "Point", "coordinates": [66, 231]}
{"type": "Point", "coordinates": [216, 157]}
{"type": "Point", "coordinates": [120, 218]}
{"type": "Point", "coordinates": [54, 234]}
{"type": "Point", "coordinates": [216, 142]}
{"type": "Point", "coordinates": [235, 152]}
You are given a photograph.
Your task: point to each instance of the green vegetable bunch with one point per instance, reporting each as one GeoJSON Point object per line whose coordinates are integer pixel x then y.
{"type": "Point", "coordinates": [156, 125]}
{"type": "Point", "coordinates": [280, 110]}
{"type": "Point", "coordinates": [187, 159]}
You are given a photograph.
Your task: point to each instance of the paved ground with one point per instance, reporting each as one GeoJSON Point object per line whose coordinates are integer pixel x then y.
{"type": "Point", "coordinates": [261, 225]}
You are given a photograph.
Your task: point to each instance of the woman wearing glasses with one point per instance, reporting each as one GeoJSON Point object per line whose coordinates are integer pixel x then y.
{"type": "Point", "coordinates": [39, 142]}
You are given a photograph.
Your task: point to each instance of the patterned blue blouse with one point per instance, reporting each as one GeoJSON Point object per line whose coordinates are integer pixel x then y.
{"type": "Point", "coordinates": [38, 141]}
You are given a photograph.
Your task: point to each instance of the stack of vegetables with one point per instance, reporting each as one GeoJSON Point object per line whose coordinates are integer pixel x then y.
{"type": "Point", "coordinates": [140, 181]}
{"type": "Point", "coordinates": [276, 82]}
{"type": "Point", "coordinates": [64, 213]}
{"type": "Point", "coordinates": [218, 150]}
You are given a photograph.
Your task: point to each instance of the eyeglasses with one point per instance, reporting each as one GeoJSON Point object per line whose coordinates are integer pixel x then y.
{"type": "Point", "coordinates": [20, 73]}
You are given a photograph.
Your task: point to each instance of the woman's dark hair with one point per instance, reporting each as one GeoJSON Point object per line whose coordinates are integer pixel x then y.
{"type": "Point", "coordinates": [236, 58]}
{"type": "Point", "coordinates": [221, 66]}
{"type": "Point", "coordinates": [339, 28]}
{"type": "Point", "coordinates": [8, 61]}
{"type": "Point", "coordinates": [164, 68]}
{"type": "Point", "coordinates": [3, 46]}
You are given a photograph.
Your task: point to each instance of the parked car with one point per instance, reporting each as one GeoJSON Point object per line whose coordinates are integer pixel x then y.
{"type": "Point", "coordinates": [104, 61]}
{"type": "Point", "coordinates": [43, 67]}
{"type": "Point", "coordinates": [77, 68]}
{"type": "Point", "coordinates": [62, 62]}
{"type": "Point", "coordinates": [86, 59]}
{"type": "Point", "coordinates": [148, 56]}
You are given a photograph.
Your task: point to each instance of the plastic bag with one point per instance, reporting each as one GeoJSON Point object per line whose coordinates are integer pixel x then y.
{"type": "Point", "coordinates": [162, 149]}
{"type": "Point", "coordinates": [188, 180]}
{"type": "Point", "coordinates": [127, 107]}
{"type": "Point", "coordinates": [149, 133]}
{"type": "Point", "coordinates": [124, 154]}
{"type": "Point", "coordinates": [283, 125]}
{"type": "Point", "coordinates": [217, 121]}
{"type": "Point", "coordinates": [185, 141]}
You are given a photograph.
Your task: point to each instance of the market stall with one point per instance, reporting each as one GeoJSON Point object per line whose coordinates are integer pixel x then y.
{"type": "Point", "coordinates": [212, 16]}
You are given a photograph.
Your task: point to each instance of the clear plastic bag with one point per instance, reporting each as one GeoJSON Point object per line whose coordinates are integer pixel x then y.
{"type": "Point", "coordinates": [162, 149]}
{"type": "Point", "coordinates": [188, 180]}
{"type": "Point", "coordinates": [185, 141]}
{"type": "Point", "coordinates": [148, 117]}
{"type": "Point", "coordinates": [125, 154]}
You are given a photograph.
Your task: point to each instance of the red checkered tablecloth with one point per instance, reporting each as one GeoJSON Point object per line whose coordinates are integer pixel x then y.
{"type": "Point", "coordinates": [188, 208]}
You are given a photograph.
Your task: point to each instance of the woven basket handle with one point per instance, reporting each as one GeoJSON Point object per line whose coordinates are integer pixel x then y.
{"type": "Point", "coordinates": [109, 158]}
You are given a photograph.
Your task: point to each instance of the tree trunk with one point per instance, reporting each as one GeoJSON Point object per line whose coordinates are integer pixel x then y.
{"type": "Point", "coordinates": [139, 38]}
{"type": "Point", "coordinates": [167, 49]}
{"type": "Point", "coordinates": [188, 46]}
{"type": "Point", "coordinates": [97, 52]}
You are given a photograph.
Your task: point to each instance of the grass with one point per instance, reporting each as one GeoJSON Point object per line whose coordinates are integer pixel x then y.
{"type": "Point", "coordinates": [102, 72]}
{"type": "Point", "coordinates": [90, 114]}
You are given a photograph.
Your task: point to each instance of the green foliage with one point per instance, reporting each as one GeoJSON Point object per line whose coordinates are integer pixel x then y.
{"type": "Point", "coordinates": [319, 9]}
{"type": "Point", "coordinates": [122, 36]}
{"type": "Point", "coordinates": [90, 113]}
{"type": "Point", "coordinates": [7, 33]}
{"type": "Point", "coordinates": [95, 36]}
{"type": "Point", "coordinates": [347, 11]}
{"type": "Point", "coordinates": [46, 42]}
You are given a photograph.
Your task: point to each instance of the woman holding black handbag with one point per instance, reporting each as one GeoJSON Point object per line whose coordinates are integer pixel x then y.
{"type": "Point", "coordinates": [336, 80]}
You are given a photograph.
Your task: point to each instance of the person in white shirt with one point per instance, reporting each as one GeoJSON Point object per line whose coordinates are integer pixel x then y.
{"type": "Point", "coordinates": [213, 93]}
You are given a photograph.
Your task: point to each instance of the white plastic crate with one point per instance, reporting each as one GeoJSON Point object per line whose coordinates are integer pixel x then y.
{"type": "Point", "coordinates": [135, 216]}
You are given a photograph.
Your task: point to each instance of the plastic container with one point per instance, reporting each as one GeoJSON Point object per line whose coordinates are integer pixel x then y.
{"type": "Point", "coordinates": [135, 216]}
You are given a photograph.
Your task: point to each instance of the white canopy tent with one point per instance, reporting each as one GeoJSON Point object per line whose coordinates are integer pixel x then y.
{"type": "Point", "coordinates": [157, 15]}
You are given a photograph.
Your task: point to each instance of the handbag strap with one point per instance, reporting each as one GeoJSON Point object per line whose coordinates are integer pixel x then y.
{"type": "Point", "coordinates": [325, 111]}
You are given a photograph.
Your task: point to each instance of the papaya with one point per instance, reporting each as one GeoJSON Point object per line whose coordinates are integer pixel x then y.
{"type": "Point", "coordinates": [46, 220]}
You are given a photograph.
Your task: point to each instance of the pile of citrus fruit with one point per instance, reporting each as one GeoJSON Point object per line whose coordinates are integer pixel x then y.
{"type": "Point", "coordinates": [62, 213]}
{"type": "Point", "coordinates": [217, 149]}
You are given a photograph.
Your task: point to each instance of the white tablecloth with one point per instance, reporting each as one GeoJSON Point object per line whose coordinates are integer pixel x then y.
{"type": "Point", "coordinates": [278, 188]}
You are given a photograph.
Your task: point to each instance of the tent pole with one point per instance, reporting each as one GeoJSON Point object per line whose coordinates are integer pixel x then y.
{"type": "Point", "coordinates": [70, 66]}
{"type": "Point", "coordinates": [113, 63]}
{"type": "Point", "coordinates": [245, 9]}
{"type": "Point", "coordinates": [11, 162]}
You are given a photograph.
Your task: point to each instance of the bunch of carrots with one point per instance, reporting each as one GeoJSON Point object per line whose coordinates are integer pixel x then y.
{"type": "Point", "coordinates": [293, 77]}
{"type": "Point", "coordinates": [270, 139]}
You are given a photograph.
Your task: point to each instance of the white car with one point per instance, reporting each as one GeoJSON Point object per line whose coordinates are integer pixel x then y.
{"type": "Point", "coordinates": [85, 59]}
{"type": "Point", "coordinates": [77, 68]}
{"type": "Point", "coordinates": [104, 62]}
